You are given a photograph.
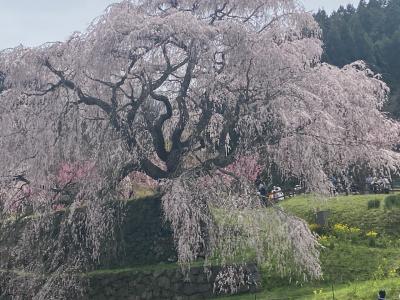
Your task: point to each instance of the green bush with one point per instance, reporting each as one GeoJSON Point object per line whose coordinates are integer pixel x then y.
{"type": "Point", "coordinates": [320, 230]}
{"type": "Point", "coordinates": [392, 201]}
{"type": "Point", "coordinates": [374, 204]}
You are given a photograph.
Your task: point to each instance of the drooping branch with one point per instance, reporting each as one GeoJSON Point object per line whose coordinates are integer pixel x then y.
{"type": "Point", "coordinates": [170, 69]}
{"type": "Point", "coordinates": [85, 99]}
{"type": "Point", "coordinates": [144, 165]}
{"type": "Point", "coordinates": [182, 105]}
{"type": "Point", "coordinates": [196, 136]}
{"type": "Point", "coordinates": [156, 130]}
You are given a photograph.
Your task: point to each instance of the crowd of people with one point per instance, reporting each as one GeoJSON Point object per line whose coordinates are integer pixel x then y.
{"type": "Point", "coordinates": [373, 185]}
{"type": "Point", "coordinates": [377, 185]}
{"type": "Point", "coordinates": [275, 194]}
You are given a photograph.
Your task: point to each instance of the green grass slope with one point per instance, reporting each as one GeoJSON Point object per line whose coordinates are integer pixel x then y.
{"type": "Point", "coordinates": [354, 267]}
{"type": "Point", "coordinates": [364, 290]}
{"type": "Point", "coordinates": [350, 210]}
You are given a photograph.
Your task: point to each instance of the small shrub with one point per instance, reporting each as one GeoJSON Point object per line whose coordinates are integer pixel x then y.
{"type": "Point", "coordinates": [354, 230]}
{"type": "Point", "coordinates": [323, 240]}
{"type": "Point", "coordinates": [373, 204]}
{"type": "Point", "coordinates": [392, 201]}
{"type": "Point", "coordinates": [354, 234]}
{"type": "Point", "coordinates": [327, 241]}
{"type": "Point", "coordinates": [313, 227]}
{"type": "Point", "coordinates": [320, 230]}
{"type": "Point", "coordinates": [341, 228]}
{"type": "Point", "coordinates": [344, 231]}
{"type": "Point", "coordinates": [371, 234]}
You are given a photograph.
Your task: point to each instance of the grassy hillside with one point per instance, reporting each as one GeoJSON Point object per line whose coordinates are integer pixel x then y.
{"type": "Point", "coordinates": [350, 210]}
{"type": "Point", "coordinates": [356, 290]}
{"type": "Point", "coordinates": [361, 250]}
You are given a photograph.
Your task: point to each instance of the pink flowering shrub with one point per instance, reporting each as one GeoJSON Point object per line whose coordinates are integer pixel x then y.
{"type": "Point", "coordinates": [244, 167]}
{"type": "Point", "coordinates": [73, 172]}
{"type": "Point", "coordinates": [69, 174]}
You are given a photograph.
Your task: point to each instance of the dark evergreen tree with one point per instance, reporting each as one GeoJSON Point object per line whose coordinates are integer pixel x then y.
{"type": "Point", "coordinates": [371, 33]}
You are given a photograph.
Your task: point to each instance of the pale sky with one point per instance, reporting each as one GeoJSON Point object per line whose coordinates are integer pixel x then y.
{"type": "Point", "coordinates": [34, 22]}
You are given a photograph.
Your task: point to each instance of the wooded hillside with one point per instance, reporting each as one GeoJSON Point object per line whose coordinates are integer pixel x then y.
{"type": "Point", "coordinates": [370, 32]}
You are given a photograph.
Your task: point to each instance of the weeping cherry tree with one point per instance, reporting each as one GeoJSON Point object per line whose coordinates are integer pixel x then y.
{"type": "Point", "coordinates": [181, 91]}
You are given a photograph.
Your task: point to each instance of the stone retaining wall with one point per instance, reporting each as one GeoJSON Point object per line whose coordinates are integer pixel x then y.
{"type": "Point", "coordinates": [145, 240]}
{"type": "Point", "coordinates": [142, 239]}
{"type": "Point", "coordinates": [164, 284]}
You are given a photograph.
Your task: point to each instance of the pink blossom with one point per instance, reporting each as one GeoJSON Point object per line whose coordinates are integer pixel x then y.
{"type": "Point", "coordinates": [245, 166]}
{"type": "Point", "coordinates": [73, 172]}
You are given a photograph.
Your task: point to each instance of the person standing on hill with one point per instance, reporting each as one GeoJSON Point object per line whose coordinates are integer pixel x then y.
{"type": "Point", "coordinates": [381, 295]}
{"type": "Point", "coordinates": [262, 191]}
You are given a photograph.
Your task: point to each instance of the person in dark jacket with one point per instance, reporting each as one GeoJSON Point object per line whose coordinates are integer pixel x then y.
{"type": "Point", "coordinates": [262, 191]}
{"type": "Point", "coordinates": [381, 295]}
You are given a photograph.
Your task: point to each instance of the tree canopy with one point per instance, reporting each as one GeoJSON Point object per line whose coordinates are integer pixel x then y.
{"type": "Point", "coordinates": [181, 91]}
